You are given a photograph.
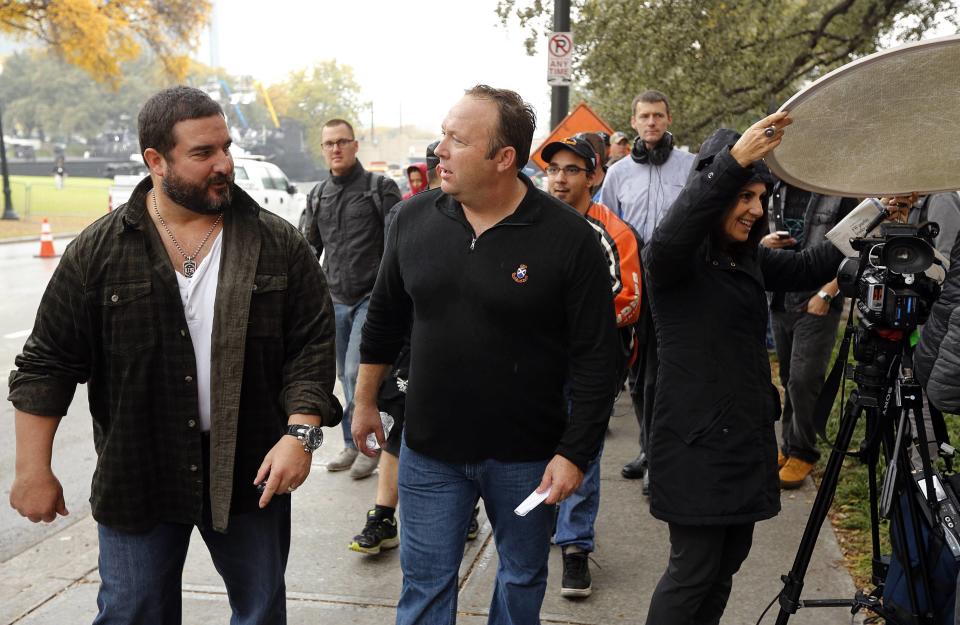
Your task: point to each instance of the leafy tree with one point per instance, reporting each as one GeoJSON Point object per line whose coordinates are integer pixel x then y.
{"type": "Point", "coordinates": [100, 35]}
{"type": "Point", "coordinates": [47, 97]}
{"type": "Point", "coordinates": [316, 94]}
{"type": "Point", "coordinates": [719, 62]}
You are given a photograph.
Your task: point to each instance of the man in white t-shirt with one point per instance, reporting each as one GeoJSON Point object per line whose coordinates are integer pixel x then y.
{"type": "Point", "coordinates": [204, 330]}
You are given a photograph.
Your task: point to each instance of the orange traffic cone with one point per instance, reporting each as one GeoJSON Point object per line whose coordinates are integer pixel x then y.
{"type": "Point", "coordinates": [46, 241]}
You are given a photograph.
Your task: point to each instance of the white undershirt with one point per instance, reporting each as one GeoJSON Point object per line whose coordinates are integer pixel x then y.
{"type": "Point", "coordinates": [198, 294]}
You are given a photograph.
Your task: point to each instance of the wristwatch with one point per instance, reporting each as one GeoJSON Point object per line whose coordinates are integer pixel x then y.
{"type": "Point", "coordinates": [310, 435]}
{"type": "Point", "coordinates": [825, 296]}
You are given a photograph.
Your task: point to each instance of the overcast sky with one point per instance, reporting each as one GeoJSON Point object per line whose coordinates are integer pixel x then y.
{"type": "Point", "coordinates": [410, 58]}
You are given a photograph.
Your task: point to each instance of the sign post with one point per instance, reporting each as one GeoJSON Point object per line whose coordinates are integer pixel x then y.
{"type": "Point", "coordinates": [8, 212]}
{"type": "Point", "coordinates": [560, 62]}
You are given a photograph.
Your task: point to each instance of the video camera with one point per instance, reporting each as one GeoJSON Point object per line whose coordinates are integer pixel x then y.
{"type": "Point", "coordinates": [888, 280]}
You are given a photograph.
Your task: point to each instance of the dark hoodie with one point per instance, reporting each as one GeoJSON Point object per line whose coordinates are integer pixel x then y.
{"type": "Point", "coordinates": [724, 139]}
{"type": "Point", "coordinates": [712, 446]}
{"type": "Point", "coordinates": [422, 168]}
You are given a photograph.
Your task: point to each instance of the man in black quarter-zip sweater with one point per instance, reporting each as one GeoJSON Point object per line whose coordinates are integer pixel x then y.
{"type": "Point", "coordinates": [511, 309]}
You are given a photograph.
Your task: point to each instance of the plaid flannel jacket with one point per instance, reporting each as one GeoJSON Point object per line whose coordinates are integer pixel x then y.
{"type": "Point", "coordinates": [112, 316]}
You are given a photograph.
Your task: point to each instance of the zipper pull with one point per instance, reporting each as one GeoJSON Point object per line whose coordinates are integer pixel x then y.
{"type": "Point", "coordinates": [473, 242]}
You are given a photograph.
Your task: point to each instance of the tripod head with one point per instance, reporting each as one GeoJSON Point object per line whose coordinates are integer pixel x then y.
{"type": "Point", "coordinates": [877, 354]}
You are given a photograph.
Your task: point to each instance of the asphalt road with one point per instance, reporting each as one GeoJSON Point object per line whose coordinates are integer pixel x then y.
{"type": "Point", "coordinates": [22, 281]}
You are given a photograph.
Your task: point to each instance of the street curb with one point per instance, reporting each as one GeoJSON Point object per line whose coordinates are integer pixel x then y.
{"type": "Point", "coordinates": [69, 235]}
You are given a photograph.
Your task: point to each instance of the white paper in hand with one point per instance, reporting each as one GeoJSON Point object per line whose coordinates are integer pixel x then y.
{"type": "Point", "coordinates": [531, 502]}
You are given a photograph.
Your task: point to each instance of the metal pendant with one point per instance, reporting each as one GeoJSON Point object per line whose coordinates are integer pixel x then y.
{"type": "Point", "coordinates": [189, 268]}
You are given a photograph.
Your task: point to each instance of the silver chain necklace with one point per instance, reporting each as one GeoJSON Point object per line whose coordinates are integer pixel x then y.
{"type": "Point", "coordinates": [189, 264]}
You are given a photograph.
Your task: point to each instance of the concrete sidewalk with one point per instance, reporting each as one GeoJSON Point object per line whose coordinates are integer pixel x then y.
{"type": "Point", "coordinates": [55, 582]}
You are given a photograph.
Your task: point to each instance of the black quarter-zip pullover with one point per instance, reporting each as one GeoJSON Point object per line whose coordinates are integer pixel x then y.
{"type": "Point", "coordinates": [501, 322]}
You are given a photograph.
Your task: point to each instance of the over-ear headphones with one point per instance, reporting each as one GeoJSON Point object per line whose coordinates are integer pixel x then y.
{"type": "Point", "coordinates": [657, 156]}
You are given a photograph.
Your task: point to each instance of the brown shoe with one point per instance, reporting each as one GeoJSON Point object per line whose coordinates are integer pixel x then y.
{"type": "Point", "coordinates": [781, 459]}
{"type": "Point", "coordinates": [794, 472]}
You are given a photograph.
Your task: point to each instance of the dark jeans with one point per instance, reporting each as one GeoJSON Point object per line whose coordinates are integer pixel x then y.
{"type": "Point", "coordinates": [804, 344]}
{"type": "Point", "coordinates": [141, 573]}
{"type": "Point", "coordinates": [696, 585]}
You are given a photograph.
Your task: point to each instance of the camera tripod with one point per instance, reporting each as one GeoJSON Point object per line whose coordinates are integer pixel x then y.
{"type": "Point", "coordinates": [888, 396]}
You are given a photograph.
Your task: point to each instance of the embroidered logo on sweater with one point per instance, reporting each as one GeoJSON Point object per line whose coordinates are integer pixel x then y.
{"type": "Point", "coordinates": [520, 275]}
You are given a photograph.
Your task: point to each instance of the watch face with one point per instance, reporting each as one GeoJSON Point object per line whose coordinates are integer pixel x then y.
{"type": "Point", "coordinates": [314, 437]}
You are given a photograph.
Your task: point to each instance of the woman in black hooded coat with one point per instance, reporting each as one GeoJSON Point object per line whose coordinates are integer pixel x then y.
{"type": "Point", "coordinates": [713, 452]}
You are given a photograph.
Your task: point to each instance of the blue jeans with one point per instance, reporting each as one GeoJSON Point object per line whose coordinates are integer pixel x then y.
{"type": "Point", "coordinates": [141, 573]}
{"type": "Point", "coordinates": [349, 323]}
{"type": "Point", "coordinates": [437, 500]}
{"type": "Point", "coordinates": [578, 512]}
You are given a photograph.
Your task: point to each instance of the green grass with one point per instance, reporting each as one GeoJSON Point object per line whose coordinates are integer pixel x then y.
{"type": "Point", "coordinates": [70, 209]}
{"type": "Point", "coordinates": [38, 196]}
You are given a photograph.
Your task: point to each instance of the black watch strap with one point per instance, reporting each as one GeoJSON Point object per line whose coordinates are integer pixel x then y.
{"type": "Point", "coordinates": [310, 435]}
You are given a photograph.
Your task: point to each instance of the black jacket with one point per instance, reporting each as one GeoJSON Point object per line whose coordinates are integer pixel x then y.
{"type": "Point", "coordinates": [347, 223]}
{"type": "Point", "coordinates": [500, 323]}
{"type": "Point", "coordinates": [823, 213]}
{"type": "Point", "coordinates": [713, 453]}
{"type": "Point", "coordinates": [112, 317]}
{"type": "Point", "coordinates": [937, 357]}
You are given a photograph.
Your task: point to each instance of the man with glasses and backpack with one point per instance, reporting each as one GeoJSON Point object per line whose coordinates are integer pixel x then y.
{"type": "Point", "coordinates": [344, 221]}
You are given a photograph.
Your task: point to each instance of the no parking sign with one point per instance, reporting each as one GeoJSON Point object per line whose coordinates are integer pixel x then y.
{"type": "Point", "coordinates": [560, 59]}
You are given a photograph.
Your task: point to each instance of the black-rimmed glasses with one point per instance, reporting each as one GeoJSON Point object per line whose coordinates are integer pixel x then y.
{"type": "Point", "coordinates": [569, 170]}
{"type": "Point", "coordinates": [339, 143]}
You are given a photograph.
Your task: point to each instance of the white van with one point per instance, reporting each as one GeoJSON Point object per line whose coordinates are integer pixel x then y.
{"type": "Point", "coordinates": [270, 188]}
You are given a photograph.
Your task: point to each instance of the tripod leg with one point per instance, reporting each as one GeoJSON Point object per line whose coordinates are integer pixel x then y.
{"type": "Point", "coordinates": [793, 581]}
{"type": "Point", "coordinates": [921, 611]}
{"type": "Point", "coordinates": [870, 454]}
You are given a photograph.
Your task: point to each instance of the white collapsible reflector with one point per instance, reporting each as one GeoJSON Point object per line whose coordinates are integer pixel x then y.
{"type": "Point", "coordinates": [886, 124]}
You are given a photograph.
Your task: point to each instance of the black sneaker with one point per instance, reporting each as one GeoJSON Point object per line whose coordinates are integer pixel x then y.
{"type": "Point", "coordinates": [576, 582]}
{"type": "Point", "coordinates": [473, 530]}
{"type": "Point", "coordinates": [377, 534]}
{"type": "Point", "coordinates": [635, 469]}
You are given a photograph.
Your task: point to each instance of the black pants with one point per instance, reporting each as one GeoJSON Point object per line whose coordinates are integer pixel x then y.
{"type": "Point", "coordinates": [804, 343]}
{"type": "Point", "coordinates": [696, 585]}
{"type": "Point", "coordinates": [643, 380]}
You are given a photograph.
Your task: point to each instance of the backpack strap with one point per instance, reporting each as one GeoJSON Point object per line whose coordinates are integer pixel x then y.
{"type": "Point", "coordinates": [308, 221]}
{"type": "Point", "coordinates": [310, 212]}
{"type": "Point", "coordinates": [376, 194]}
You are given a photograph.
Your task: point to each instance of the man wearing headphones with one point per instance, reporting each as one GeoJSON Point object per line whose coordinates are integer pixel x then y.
{"type": "Point", "coordinates": [639, 189]}
{"type": "Point", "coordinates": [642, 187]}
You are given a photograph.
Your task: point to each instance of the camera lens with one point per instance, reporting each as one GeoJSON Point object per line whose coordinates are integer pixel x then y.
{"type": "Point", "coordinates": [903, 254]}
